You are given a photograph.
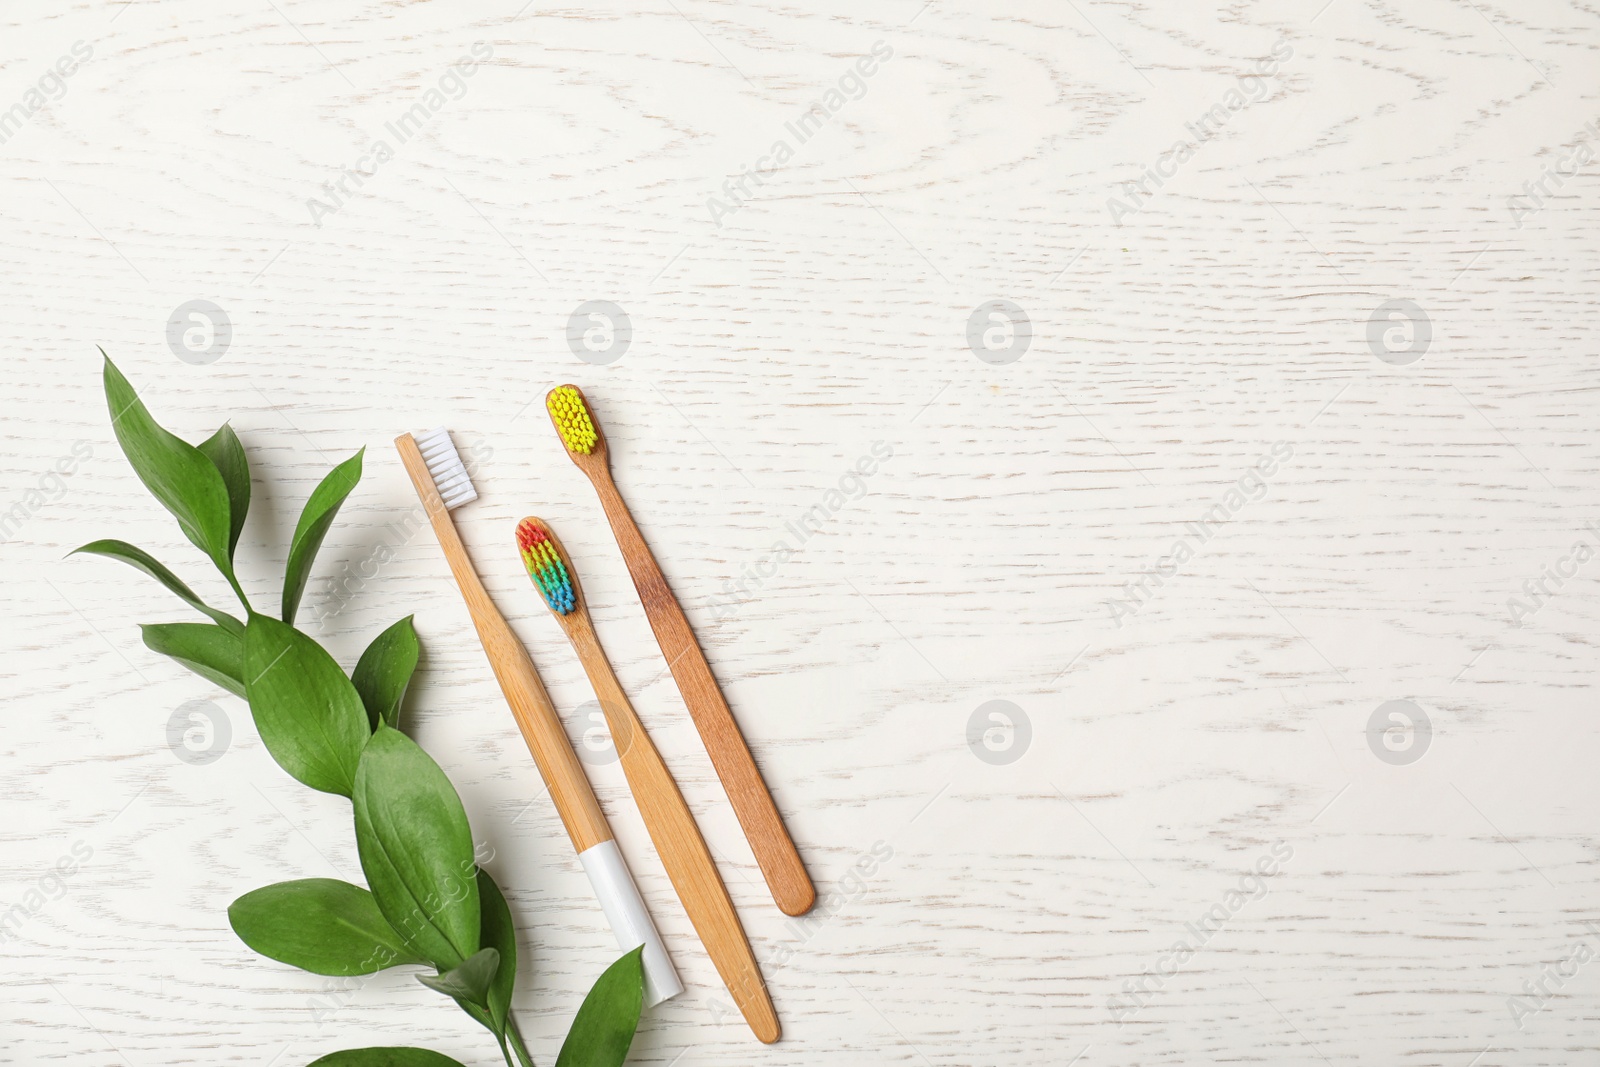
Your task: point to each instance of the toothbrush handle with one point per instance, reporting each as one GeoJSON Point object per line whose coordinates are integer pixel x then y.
{"type": "Point", "coordinates": [678, 841]}
{"type": "Point", "coordinates": [763, 827]}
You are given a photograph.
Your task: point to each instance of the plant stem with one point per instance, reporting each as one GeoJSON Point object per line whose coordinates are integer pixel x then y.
{"type": "Point", "coordinates": [238, 590]}
{"type": "Point", "coordinates": [516, 1042]}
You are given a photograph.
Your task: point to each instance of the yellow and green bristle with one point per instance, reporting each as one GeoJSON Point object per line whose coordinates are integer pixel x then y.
{"type": "Point", "coordinates": [546, 567]}
{"type": "Point", "coordinates": [571, 416]}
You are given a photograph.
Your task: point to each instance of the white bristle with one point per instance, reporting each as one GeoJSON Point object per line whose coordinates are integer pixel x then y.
{"type": "Point", "coordinates": [450, 475]}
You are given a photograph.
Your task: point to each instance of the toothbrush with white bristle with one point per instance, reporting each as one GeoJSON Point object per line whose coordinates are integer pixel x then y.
{"type": "Point", "coordinates": [442, 482]}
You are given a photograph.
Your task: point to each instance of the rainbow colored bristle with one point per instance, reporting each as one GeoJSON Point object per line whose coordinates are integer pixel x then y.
{"type": "Point", "coordinates": [571, 416]}
{"type": "Point", "coordinates": [546, 567]}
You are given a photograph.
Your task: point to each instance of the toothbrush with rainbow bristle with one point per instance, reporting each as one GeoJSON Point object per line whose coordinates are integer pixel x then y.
{"type": "Point", "coordinates": [672, 827]}
{"type": "Point", "coordinates": [442, 483]}
{"type": "Point", "coordinates": [763, 827]}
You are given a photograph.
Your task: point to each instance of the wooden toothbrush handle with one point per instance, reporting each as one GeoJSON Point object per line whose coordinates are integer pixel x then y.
{"type": "Point", "coordinates": [678, 842]}
{"type": "Point", "coordinates": [524, 691]}
{"type": "Point", "coordinates": [763, 827]}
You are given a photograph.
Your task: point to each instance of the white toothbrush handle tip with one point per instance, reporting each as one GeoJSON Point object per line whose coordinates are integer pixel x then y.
{"type": "Point", "coordinates": [619, 899]}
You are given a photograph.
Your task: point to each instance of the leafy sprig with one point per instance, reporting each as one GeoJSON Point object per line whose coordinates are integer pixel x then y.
{"type": "Point", "coordinates": [426, 902]}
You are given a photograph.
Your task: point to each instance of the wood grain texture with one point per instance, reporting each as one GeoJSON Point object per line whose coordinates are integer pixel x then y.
{"type": "Point", "coordinates": [971, 912]}
{"type": "Point", "coordinates": [736, 768]}
{"type": "Point", "coordinates": [671, 825]}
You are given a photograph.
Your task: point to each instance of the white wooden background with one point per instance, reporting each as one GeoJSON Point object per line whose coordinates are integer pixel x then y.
{"type": "Point", "coordinates": [1171, 349]}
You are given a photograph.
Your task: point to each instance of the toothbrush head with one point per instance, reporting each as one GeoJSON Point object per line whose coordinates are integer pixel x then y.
{"type": "Point", "coordinates": [547, 566]}
{"type": "Point", "coordinates": [449, 474]}
{"type": "Point", "coordinates": [570, 414]}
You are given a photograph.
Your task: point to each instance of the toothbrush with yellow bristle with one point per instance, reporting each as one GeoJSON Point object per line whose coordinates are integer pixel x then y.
{"type": "Point", "coordinates": [763, 827]}
{"type": "Point", "coordinates": [677, 838]}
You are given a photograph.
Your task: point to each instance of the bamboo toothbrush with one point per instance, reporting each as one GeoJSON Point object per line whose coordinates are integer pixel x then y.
{"type": "Point", "coordinates": [763, 827]}
{"type": "Point", "coordinates": [683, 851]}
{"type": "Point", "coordinates": [442, 482]}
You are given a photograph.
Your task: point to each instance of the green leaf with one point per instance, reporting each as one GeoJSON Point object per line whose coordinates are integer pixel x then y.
{"type": "Point", "coordinates": [313, 526]}
{"type": "Point", "coordinates": [210, 651]}
{"type": "Point", "coordinates": [138, 557]}
{"type": "Point", "coordinates": [227, 455]}
{"type": "Point", "coordinates": [497, 931]}
{"type": "Point", "coordinates": [177, 474]}
{"type": "Point", "coordinates": [384, 671]}
{"type": "Point", "coordinates": [416, 848]}
{"type": "Point", "coordinates": [469, 980]}
{"type": "Point", "coordinates": [604, 1026]}
{"type": "Point", "coordinates": [321, 925]}
{"type": "Point", "coordinates": [385, 1057]}
{"type": "Point", "coordinates": [309, 715]}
